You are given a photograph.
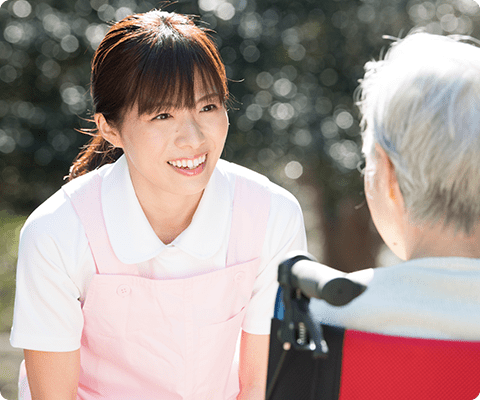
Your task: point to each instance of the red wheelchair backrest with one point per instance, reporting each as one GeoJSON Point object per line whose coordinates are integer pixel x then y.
{"type": "Point", "coordinates": [371, 366]}
{"type": "Point", "coordinates": [377, 366]}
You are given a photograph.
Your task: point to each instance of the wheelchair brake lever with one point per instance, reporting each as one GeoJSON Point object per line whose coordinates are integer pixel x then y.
{"type": "Point", "coordinates": [298, 328]}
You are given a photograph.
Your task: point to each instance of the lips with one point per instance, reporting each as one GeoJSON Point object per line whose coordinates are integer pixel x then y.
{"type": "Point", "coordinates": [188, 163]}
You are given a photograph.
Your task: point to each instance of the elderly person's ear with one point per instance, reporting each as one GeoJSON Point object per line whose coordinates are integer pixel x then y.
{"type": "Point", "coordinates": [387, 169]}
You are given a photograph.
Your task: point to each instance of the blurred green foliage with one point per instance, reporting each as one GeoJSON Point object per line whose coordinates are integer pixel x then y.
{"type": "Point", "coordinates": [10, 226]}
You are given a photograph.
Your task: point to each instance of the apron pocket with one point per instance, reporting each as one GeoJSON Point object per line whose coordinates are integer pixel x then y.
{"type": "Point", "coordinates": [216, 351]}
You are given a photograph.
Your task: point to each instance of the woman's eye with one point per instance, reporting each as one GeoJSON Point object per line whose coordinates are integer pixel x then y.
{"type": "Point", "coordinates": [162, 116]}
{"type": "Point", "coordinates": [210, 107]}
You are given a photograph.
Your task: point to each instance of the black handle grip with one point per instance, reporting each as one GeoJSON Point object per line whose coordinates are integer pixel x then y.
{"type": "Point", "coordinates": [322, 282]}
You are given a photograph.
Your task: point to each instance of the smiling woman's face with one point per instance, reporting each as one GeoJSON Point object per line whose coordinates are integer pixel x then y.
{"type": "Point", "coordinates": [174, 151]}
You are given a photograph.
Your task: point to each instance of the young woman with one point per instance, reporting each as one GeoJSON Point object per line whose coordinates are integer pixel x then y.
{"type": "Point", "coordinates": [136, 278]}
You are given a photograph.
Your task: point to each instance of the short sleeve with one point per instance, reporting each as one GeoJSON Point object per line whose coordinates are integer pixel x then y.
{"type": "Point", "coordinates": [285, 233]}
{"type": "Point", "coordinates": [47, 313]}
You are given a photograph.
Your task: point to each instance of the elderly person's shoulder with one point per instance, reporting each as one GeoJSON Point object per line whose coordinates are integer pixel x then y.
{"type": "Point", "coordinates": [432, 297]}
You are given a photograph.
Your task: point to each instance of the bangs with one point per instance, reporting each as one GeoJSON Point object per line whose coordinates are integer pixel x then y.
{"type": "Point", "coordinates": [165, 76]}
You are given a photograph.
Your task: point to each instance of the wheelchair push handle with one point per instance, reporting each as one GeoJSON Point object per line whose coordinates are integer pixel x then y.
{"type": "Point", "coordinates": [322, 282]}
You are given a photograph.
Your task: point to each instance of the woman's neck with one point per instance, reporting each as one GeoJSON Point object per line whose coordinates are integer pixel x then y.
{"type": "Point", "coordinates": [168, 214]}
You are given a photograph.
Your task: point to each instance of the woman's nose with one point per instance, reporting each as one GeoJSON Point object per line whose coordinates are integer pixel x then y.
{"type": "Point", "coordinates": [189, 134]}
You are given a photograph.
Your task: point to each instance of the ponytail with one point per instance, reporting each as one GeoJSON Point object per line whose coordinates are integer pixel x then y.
{"type": "Point", "coordinates": [95, 153]}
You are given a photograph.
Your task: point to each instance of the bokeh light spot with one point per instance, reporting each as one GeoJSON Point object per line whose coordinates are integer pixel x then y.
{"type": "Point", "coordinates": [14, 33]}
{"type": "Point", "coordinates": [293, 170]}
{"type": "Point", "coordinates": [208, 5]}
{"type": "Point", "coordinates": [123, 12]}
{"type": "Point", "coordinates": [8, 74]}
{"type": "Point", "coordinates": [263, 98]}
{"type": "Point", "coordinates": [51, 69]}
{"type": "Point", "coordinates": [225, 11]}
{"type": "Point", "coordinates": [69, 43]}
{"type": "Point", "coordinates": [21, 8]}
{"type": "Point", "coordinates": [250, 26]}
{"type": "Point", "coordinates": [323, 105]}
{"type": "Point", "coordinates": [329, 128]}
{"type": "Point", "coordinates": [282, 87]}
{"type": "Point", "coordinates": [344, 120]}
{"type": "Point", "coordinates": [366, 14]}
{"type": "Point", "coordinates": [282, 111]}
{"type": "Point", "coordinates": [7, 144]}
{"type": "Point", "coordinates": [302, 137]}
{"type": "Point", "coordinates": [254, 112]}
{"type": "Point", "coordinates": [264, 80]}
{"type": "Point", "coordinates": [251, 53]}
{"type": "Point", "coordinates": [106, 13]}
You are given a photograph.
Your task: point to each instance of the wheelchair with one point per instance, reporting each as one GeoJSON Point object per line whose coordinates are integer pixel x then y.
{"type": "Point", "coordinates": [312, 361]}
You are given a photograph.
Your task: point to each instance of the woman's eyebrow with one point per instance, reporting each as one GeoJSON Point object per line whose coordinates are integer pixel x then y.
{"type": "Point", "coordinates": [166, 107]}
{"type": "Point", "coordinates": [206, 97]}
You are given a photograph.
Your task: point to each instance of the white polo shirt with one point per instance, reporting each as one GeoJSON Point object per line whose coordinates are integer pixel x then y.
{"type": "Point", "coordinates": [55, 264]}
{"type": "Point", "coordinates": [436, 298]}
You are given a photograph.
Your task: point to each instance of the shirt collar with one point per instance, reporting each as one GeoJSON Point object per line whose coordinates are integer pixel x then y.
{"type": "Point", "coordinates": [131, 235]}
{"type": "Point", "coordinates": [444, 263]}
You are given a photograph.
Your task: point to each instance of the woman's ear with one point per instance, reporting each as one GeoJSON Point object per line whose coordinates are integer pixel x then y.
{"type": "Point", "coordinates": [108, 131]}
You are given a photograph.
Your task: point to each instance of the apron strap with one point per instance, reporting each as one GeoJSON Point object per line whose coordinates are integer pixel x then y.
{"type": "Point", "coordinates": [251, 208]}
{"type": "Point", "coordinates": [86, 201]}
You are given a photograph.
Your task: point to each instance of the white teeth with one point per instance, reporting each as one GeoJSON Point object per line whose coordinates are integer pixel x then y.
{"type": "Point", "coordinates": [190, 164]}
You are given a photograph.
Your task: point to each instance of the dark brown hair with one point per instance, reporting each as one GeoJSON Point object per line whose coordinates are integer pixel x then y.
{"type": "Point", "coordinates": [148, 61]}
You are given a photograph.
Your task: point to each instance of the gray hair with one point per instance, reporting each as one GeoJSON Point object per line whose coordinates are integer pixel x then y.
{"type": "Point", "coordinates": [421, 104]}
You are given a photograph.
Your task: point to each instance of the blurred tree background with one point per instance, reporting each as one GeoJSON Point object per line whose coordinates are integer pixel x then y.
{"type": "Point", "coordinates": [293, 65]}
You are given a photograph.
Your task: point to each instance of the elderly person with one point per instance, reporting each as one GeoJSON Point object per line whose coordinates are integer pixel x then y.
{"type": "Point", "coordinates": [421, 140]}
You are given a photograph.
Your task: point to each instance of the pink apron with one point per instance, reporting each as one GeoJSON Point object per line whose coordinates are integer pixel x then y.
{"type": "Point", "coordinates": [165, 339]}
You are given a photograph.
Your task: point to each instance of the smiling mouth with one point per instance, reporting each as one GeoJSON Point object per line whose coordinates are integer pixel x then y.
{"type": "Point", "coordinates": [188, 163]}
